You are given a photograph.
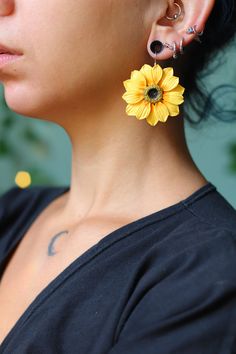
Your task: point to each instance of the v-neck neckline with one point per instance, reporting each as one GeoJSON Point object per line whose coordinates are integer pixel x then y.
{"type": "Point", "coordinates": [91, 252]}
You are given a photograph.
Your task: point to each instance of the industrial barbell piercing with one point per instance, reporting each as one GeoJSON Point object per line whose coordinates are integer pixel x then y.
{"type": "Point", "coordinates": [177, 15]}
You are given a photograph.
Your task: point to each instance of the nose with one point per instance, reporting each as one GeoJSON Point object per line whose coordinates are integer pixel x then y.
{"type": "Point", "coordinates": [6, 7]}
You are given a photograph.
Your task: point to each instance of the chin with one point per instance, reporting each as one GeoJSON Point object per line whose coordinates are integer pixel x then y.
{"type": "Point", "coordinates": [27, 102]}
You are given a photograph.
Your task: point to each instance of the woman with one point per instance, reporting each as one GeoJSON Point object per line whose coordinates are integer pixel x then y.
{"type": "Point", "coordinates": [138, 254]}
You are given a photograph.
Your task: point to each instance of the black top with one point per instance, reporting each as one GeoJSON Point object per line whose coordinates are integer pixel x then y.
{"type": "Point", "coordinates": [162, 284]}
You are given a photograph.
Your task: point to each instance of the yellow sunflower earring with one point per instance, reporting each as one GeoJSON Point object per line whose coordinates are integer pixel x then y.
{"type": "Point", "coordinates": [153, 93]}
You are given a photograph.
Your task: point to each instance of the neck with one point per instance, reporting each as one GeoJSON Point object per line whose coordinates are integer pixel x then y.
{"type": "Point", "coordinates": [124, 166]}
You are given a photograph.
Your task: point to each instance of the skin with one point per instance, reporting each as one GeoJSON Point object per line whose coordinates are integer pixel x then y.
{"type": "Point", "coordinates": [76, 55]}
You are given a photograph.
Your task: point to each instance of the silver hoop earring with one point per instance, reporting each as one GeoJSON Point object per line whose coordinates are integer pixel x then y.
{"type": "Point", "coordinates": [175, 54]}
{"type": "Point", "coordinates": [173, 48]}
{"type": "Point", "coordinates": [177, 15]}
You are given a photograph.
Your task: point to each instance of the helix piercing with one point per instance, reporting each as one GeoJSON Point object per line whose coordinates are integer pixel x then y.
{"type": "Point", "coordinates": [193, 29]}
{"type": "Point", "coordinates": [177, 15]}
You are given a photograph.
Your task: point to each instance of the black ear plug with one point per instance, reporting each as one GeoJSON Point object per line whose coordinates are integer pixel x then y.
{"type": "Point", "coordinates": [156, 47]}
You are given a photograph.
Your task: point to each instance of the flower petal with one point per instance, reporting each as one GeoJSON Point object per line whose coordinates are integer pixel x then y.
{"type": "Point", "coordinates": [159, 112]}
{"type": "Point", "coordinates": [167, 72]}
{"type": "Point", "coordinates": [162, 111]}
{"type": "Point", "coordinates": [173, 97]}
{"type": "Point", "coordinates": [138, 76]}
{"type": "Point", "coordinates": [146, 70]}
{"type": "Point", "coordinates": [169, 83]}
{"type": "Point", "coordinates": [152, 74]}
{"type": "Point", "coordinates": [180, 89]}
{"type": "Point", "coordinates": [166, 77]}
{"type": "Point", "coordinates": [152, 119]}
{"type": "Point", "coordinates": [172, 108]}
{"type": "Point", "coordinates": [133, 85]}
{"type": "Point", "coordinates": [140, 110]}
{"type": "Point", "coordinates": [157, 73]}
{"type": "Point", "coordinates": [133, 97]}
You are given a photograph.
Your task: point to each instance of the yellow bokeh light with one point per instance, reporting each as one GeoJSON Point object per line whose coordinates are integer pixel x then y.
{"type": "Point", "coordinates": [23, 179]}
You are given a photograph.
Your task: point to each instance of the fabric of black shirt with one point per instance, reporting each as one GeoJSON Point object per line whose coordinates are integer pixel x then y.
{"type": "Point", "coordinates": [162, 284]}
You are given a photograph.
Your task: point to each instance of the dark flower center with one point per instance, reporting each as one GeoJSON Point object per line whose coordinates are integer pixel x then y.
{"type": "Point", "coordinates": [153, 93]}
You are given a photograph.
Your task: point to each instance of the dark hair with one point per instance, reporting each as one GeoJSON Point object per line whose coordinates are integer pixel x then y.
{"type": "Point", "coordinates": [218, 33]}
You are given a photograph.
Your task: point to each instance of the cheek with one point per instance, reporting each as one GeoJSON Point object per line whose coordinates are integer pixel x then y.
{"type": "Point", "coordinates": [75, 42]}
{"type": "Point", "coordinates": [52, 81]}
{"type": "Point", "coordinates": [70, 57]}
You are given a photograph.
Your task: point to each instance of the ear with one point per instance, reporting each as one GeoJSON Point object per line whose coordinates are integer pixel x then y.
{"type": "Point", "coordinates": [193, 12]}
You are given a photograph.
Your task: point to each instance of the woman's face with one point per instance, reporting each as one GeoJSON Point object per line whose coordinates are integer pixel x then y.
{"type": "Point", "coordinates": [75, 52]}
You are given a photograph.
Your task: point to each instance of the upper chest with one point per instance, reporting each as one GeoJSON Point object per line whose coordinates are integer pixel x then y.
{"type": "Point", "coordinates": [38, 259]}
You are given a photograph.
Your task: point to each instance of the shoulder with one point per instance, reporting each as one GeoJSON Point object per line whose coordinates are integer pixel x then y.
{"type": "Point", "coordinates": [12, 198]}
{"type": "Point", "coordinates": [212, 257]}
{"type": "Point", "coordinates": [186, 303]}
{"type": "Point", "coordinates": [202, 219]}
{"type": "Point", "coordinates": [16, 201]}
{"type": "Point", "coordinates": [15, 192]}
{"type": "Point", "coordinates": [15, 197]}
{"type": "Point", "coordinates": [206, 253]}
{"type": "Point", "coordinates": [214, 211]}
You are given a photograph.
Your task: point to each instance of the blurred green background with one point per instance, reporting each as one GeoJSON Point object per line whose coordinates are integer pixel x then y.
{"type": "Point", "coordinates": [43, 148]}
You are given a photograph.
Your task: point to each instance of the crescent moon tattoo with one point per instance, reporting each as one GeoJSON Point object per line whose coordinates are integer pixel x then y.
{"type": "Point", "coordinates": [51, 251]}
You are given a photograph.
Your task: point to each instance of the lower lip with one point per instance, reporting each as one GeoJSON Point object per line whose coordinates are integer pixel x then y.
{"type": "Point", "coordinates": [7, 58]}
